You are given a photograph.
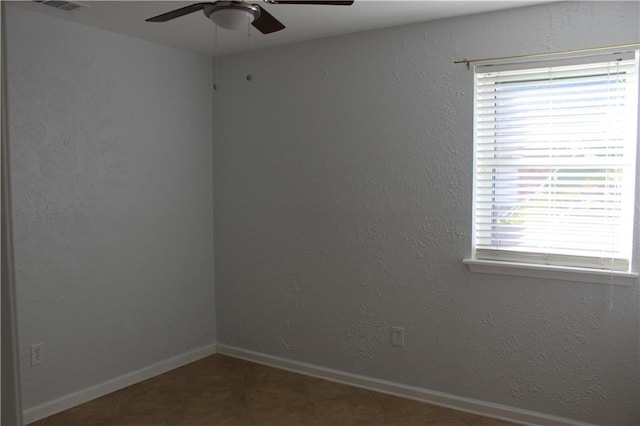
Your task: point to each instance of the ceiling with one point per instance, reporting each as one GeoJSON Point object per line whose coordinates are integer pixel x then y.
{"type": "Point", "coordinates": [303, 22]}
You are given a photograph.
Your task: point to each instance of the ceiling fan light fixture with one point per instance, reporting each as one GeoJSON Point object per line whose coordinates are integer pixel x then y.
{"type": "Point", "coordinates": [232, 15]}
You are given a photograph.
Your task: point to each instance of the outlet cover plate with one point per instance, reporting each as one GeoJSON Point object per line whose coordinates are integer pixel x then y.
{"type": "Point", "coordinates": [397, 336]}
{"type": "Point", "coordinates": [37, 353]}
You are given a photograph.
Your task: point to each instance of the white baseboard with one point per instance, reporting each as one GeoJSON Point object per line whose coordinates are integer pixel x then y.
{"type": "Point", "coordinates": [468, 405]}
{"type": "Point", "coordinates": [85, 395]}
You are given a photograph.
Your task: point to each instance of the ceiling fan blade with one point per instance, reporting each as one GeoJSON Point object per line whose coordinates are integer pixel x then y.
{"type": "Point", "coordinates": [267, 23]}
{"type": "Point", "coordinates": [177, 13]}
{"type": "Point", "coordinates": [319, 2]}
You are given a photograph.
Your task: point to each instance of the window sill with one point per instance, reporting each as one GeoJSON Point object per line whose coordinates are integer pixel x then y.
{"type": "Point", "coordinates": [552, 272]}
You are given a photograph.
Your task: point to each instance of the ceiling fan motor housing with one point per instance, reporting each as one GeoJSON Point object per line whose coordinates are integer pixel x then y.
{"type": "Point", "coordinates": [232, 15]}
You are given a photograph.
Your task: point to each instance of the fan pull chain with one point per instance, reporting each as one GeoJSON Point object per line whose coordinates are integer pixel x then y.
{"type": "Point", "coordinates": [215, 58]}
{"type": "Point", "coordinates": [249, 76]}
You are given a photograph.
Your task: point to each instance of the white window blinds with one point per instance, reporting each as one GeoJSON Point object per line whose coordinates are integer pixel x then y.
{"type": "Point", "coordinates": [555, 152]}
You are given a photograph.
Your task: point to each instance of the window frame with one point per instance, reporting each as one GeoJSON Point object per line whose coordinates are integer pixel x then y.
{"type": "Point", "coordinates": [518, 267]}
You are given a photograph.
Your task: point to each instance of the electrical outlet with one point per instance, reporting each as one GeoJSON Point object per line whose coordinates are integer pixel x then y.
{"type": "Point", "coordinates": [37, 353]}
{"type": "Point", "coordinates": [397, 336]}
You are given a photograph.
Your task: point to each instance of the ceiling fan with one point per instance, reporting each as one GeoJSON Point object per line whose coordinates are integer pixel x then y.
{"type": "Point", "coordinates": [236, 14]}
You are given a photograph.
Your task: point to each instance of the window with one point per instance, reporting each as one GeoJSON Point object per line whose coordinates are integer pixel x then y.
{"type": "Point", "coordinates": [555, 152]}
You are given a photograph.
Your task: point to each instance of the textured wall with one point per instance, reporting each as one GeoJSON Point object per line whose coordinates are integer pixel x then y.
{"type": "Point", "coordinates": [343, 206]}
{"type": "Point", "coordinates": [112, 190]}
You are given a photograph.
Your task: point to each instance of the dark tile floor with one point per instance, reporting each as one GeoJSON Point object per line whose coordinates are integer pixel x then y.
{"type": "Point", "coordinates": [223, 391]}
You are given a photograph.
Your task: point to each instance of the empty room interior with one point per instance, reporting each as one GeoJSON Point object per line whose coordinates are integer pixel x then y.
{"type": "Point", "coordinates": [315, 207]}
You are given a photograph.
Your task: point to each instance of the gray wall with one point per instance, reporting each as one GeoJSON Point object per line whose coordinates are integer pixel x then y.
{"type": "Point", "coordinates": [10, 410]}
{"type": "Point", "coordinates": [343, 206]}
{"type": "Point", "coordinates": [112, 191]}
